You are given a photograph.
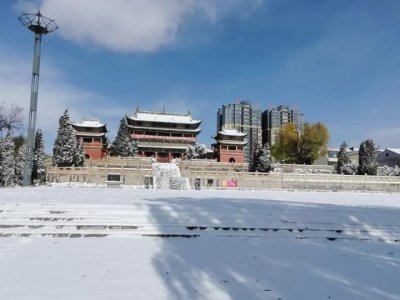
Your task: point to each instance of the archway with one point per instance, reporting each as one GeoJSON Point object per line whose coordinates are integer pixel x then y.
{"type": "Point", "coordinates": [232, 160]}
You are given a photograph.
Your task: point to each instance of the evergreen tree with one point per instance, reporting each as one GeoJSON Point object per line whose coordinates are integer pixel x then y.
{"type": "Point", "coordinates": [18, 142]}
{"type": "Point", "coordinates": [367, 163]}
{"type": "Point", "coordinates": [64, 151]}
{"type": "Point", "coordinates": [20, 161]}
{"type": "Point", "coordinates": [38, 168]}
{"type": "Point", "coordinates": [262, 159]}
{"type": "Point", "coordinates": [7, 175]}
{"type": "Point", "coordinates": [80, 154]}
{"type": "Point", "coordinates": [343, 159]}
{"type": "Point", "coordinates": [124, 145]}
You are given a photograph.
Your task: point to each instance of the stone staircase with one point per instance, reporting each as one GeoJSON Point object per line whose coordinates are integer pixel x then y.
{"type": "Point", "coordinates": [167, 176]}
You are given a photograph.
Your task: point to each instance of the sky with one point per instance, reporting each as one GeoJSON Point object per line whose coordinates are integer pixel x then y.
{"type": "Point", "coordinates": [337, 61]}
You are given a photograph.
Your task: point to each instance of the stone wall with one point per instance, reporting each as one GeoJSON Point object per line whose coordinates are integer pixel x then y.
{"type": "Point", "coordinates": [129, 175]}
{"type": "Point", "coordinates": [210, 166]}
{"type": "Point", "coordinates": [310, 182]}
{"type": "Point", "coordinates": [219, 175]}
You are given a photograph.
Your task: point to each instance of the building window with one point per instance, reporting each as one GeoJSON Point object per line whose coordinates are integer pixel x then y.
{"type": "Point", "coordinates": [87, 140]}
{"type": "Point", "coordinates": [232, 147]}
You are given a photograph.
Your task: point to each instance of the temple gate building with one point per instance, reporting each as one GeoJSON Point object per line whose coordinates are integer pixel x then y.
{"type": "Point", "coordinates": [162, 135]}
{"type": "Point", "coordinates": [93, 134]}
{"type": "Point", "coordinates": [230, 146]}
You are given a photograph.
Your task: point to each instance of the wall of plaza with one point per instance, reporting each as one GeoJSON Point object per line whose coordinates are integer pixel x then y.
{"type": "Point", "coordinates": [228, 176]}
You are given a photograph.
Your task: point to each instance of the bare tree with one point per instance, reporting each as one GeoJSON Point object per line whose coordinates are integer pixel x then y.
{"type": "Point", "coordinates": [10, 119]}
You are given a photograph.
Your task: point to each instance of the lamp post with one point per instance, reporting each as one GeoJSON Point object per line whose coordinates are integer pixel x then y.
{"type": "Point", "coordinates": [39, 25]}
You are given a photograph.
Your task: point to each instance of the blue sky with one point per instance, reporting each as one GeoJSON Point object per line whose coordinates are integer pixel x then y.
{"type": "Point", "coordinates": [336, 60]}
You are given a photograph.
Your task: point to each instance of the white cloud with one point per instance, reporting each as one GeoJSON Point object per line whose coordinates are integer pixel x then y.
{"type": "Point", "coordinates": [132, 25]}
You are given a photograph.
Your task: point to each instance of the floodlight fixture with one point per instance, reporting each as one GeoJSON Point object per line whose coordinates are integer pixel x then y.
{"type": "Point", "coordinates": [39, 25]}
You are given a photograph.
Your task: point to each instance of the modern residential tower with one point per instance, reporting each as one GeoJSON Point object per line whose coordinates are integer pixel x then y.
{"type": "Point", "coordinates": [274, 118]}
{"type": "Point", "coordinates": [245, 118]}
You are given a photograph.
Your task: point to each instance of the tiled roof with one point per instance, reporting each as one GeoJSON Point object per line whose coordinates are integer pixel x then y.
{"type": "Point", "coordinates": [163, 117]}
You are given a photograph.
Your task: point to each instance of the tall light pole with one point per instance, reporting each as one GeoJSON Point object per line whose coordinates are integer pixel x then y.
{"type": "Point", "coordinates": [39, 25]}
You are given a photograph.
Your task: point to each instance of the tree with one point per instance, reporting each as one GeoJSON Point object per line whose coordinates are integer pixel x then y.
{"type": "Point", "coordinates": [349, 169]}
{"type": "Point", "coordinates": [191, 153]}
{"type": "Point", "coordinates": [80, 154]}
{"type": "Point", "coordinates": [124, 145]}
{"type": "Point", "coordinates": [367, 163]}
{"type": "Point", "coordinates": [18, 142]}
{"type": "Point", "coordinates": [38, 168]}
{"type": "Point", "coordinates": [390, 171]}
{"type": "Point", "coordinates": [301, 147]}
{"type": "Point", "coordinates": [199, 151]}
{"type": "Point", "coordinates": [342, 157]}
{"type": "Point", "coordinates": [7, 160]}
{"type": "Point", "coordinates": [20, 161]}
{"type": "Point", "coordinates": [11, 119]}
{"type": "Point", "coordinates": [64, 151]}
{"type": "Point", "coordinates": [262, 159]}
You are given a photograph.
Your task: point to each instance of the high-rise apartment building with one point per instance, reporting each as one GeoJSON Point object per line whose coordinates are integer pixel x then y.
{"type": "Point", "coordinates": [244, 117]}
{"type": "Point", "coordinates": [273, 119]}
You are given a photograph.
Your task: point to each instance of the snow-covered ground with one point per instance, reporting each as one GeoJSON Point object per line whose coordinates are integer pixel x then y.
{"type": "Point", "coordinates": [88, 243]}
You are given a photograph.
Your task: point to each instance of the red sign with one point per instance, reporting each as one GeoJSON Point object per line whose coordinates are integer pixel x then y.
{"type": "Point", "coordinates": [232, 183]}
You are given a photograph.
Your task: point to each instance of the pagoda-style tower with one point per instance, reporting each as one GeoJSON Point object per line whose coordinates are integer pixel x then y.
{"type": "Point", "coordinates": [93, 134]}
{"type": "Point", "coordinates": [230, 143]}
{"type": "Point", "coordinates": [161, 135]}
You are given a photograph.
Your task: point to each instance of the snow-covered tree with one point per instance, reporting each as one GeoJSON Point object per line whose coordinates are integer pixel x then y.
{"type": "Point", "coordinates": [390, 171]}
{"type": "Point", "coordinates": [190, 152]}
{"type": "Point", "coordinates": [38, 168]}
{"type": "Point", "coordinates": [80, 154]}
{"type": "Point", "coordinates": [367, 163]}
{"type": "Point", "coordinates": [199, 151]}
{"type": "Point", "coordinates": [7, 161]}
{"type": "Point", "coordinates": [262, 159]}
{"type": "Point", "coordinates": [20, 161]}
{"type": "Point", "coordinates": [124, 145]}
{"type": "Point", "coordinates": [64, 151]}
{"type": "Point", "coordinates": [343, 160]}
{"type": "Point", "coordinates": [349, 169]}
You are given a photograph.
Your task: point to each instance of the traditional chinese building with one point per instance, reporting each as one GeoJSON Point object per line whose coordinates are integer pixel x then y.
{"type": "Point", "coordinates": [230, 146]}
{"type": "Point", "coordinates": [162, 135]}
{"type": "Point", "coordinates": [93, 134]}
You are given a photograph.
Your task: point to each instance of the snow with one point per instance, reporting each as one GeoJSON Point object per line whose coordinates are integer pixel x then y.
{"type": "Point", "coordinates": [395, 150]}
{"type": "Point", "coordinates": [93, 123]}
{"type": "Point", "coordinates": [232, 132]}
{"type": "Point", "coordinates": [99, 243]}
{"type": "Point", "coordinates": [163, 117]}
